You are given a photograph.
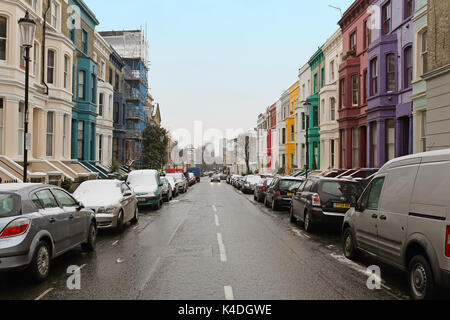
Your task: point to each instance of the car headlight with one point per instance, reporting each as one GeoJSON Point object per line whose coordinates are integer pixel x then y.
{"type": "Point", "coordinates": [106, 210]}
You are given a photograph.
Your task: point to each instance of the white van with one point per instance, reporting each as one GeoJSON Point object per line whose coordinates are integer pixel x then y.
{"type": "Point", "coordinates": [146, 184]}
{"type": "Point", "coordinates": [403, 218]}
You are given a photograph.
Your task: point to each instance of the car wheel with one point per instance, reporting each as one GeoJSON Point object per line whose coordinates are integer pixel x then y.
{"type": "Point", "coordinates": [89, 246]}
{"type": "Point", "coordinates": [292, 217]}
{"type": "Point", "coordinates": [119, 226]}
{"type": "Point", "coordinates": [421, 281]}
{"type": "Point", "coordinates": [136, 216]}
{"type": "Point", "coordinates": [40, 265]}
{"type": "Point", "coordinates": [350, 250]}
{"type": "Point", "coordinates": [307, 222]}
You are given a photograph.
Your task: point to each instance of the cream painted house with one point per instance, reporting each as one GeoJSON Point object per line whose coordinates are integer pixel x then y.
{"type": "Point", "coordinates": [328, 99]}
{"type": "Point", "coordinates": [304, 77]}
{"type": "Point", "coordinates": [105, 98]}
{"type": "Point", "coordinates": [50, 95]}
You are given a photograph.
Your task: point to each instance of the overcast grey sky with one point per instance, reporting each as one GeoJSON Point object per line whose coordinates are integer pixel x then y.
{"type": "Point", "coordinates": [222, 61]}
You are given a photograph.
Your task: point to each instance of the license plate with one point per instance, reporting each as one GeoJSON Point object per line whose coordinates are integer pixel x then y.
{"type": "Point", "coordinates": [342, 205]}
{"type": "Point", "coordinates": [290, 194]}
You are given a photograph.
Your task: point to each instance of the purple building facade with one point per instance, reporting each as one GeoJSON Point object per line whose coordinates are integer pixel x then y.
{"type": "Point", "coordinates": [390, 73]}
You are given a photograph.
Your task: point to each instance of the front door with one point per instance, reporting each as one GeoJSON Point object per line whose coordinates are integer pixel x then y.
{"type": "Point", "coordinates": [367, 217]}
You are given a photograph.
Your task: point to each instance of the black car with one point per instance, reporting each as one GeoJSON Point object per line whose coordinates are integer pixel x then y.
{"type": "Point", "coordinates": [166, 190]}
{"type": "Point", "coordinates": [321, 200]}
{"type": "Point", "coordinates": [249, 183]}
{"type": "Point", "coordinates": [279, 193]}
{"type": "Point", "coordinates": [261, 189]}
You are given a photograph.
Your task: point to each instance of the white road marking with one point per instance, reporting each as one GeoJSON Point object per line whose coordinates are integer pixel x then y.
{"type": "Point", "coordinates": [214, 208]}
{"type": "Point", "coordinates": [44, 294]}
{"type": "Point", "coordinates": [223, 255]}
{"type": "Point", "coordinates": [120, 260]}
{"type": "Point", "coordinates": [175, 232]}
{"type": "Point", "coordinates": [115, 243]}
{"type": "Point", "coordinates": [217, 220]}
{"type": "Point", "coordinates": [362, 270]}
{"type": "Point", "coordinates": [305, 235]}
{"type": "Point", "coordinates": [229, 293]}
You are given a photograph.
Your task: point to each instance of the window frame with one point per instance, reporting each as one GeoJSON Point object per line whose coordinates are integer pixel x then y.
{"type": "Point", "coordinates": [51, 68]}
{"type": "Point", "coordinates": [386, 22]}
{"type": "Point", "coordinates": [355, 90]}
{"type": "Point", "coordinates": [390, 73]}
{"type": "Point", "coordinates": [50, 135]}
{"type": "Point", "coordinates": [82, 94]}
{"type": "Point", "coordinates": [5, 39]}
{"type": "Point", "coordinates": [374, 76]}
{"type": "Point", "coordinates": [408, 69]}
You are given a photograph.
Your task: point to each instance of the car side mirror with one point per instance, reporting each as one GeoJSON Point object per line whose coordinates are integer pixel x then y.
{"type": "Point", "coordinates": [161, 184]}
{"type": "Point", "coordinates": [81, 206]}
{"type": "Point", "coordinates": [128, 194]}
{"type": "Point", "coordinates": [359, 207]}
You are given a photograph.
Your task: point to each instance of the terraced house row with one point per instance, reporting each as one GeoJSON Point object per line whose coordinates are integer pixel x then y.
{"type": "Point", "coordinates": [377, 89]}
{"type": "Point", "coordinates": [88, 101]}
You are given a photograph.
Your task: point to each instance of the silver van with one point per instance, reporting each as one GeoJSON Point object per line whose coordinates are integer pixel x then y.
{"type": "Point", "coordinates": [403, 218]}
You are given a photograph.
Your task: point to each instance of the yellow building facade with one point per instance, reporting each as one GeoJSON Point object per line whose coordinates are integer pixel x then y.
{"type": "Point", "coordinates": [294, 94]}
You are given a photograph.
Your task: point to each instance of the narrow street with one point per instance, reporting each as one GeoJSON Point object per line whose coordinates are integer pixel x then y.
{"type": "Point", "coordinates": [212, 243]}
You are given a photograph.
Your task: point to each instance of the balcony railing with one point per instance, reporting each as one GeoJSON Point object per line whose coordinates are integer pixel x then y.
{"type": "Point", "coordinates": [133, 93]}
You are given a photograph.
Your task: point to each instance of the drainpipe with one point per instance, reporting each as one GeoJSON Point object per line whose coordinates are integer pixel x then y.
{"type": "Point", "coordinates": [44, 30]}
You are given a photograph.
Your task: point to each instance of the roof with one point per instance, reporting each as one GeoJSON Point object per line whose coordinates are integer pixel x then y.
{"type": "Point", "coordinates": [14, 187]}
{"type": "Point", "coordinates": [431, 156]}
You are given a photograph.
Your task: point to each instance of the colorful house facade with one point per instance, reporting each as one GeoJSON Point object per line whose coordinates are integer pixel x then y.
{"type": "Point", "coordinates": [290, 128]}
{"type": "Point", "coordinates": [390, 74]}
{"type": "Point", "coordinates": [419, 94]}
{"type": "Point", "coordinates": [355, 26]}
{"type": "Point", "coordinates": [84, 115]}
{"type": "Point", "coordinates": [317, 65]}
{"type": "Point", "coordinates": [304, 77]}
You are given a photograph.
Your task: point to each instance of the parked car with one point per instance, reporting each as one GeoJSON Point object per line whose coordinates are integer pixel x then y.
{"type": "Point", "coordinates": [173, 185]}
{"type": "Point", "coordinates": [278, 195]}
{"type": "Point", "coordinates": [180, 180]}
{"type": "Point", "coordinates": [166, 190]}
{"type": "Point", "coordinates": [403, 218]}
{"type": "Point", "coordinates": [191, 178]}
{"type": "Point", "coordinates": [321, 200]}
{"type": "Point", "coordinates": [249, 183]}
{"type": "Point", "coordinates": [112, 201]}
{"type": "Point", "coordinates": [39, 223]}
{"type": "Point", "coordinates": [147, 186]}
{"type": "Point", "coordinates": [240, 183]}
{"type": "Point", "coordinates": [197, 172]}
{"type": "Point", "coordinates": [215, 178]}
{"type": "Point", "coordinates": [223, 176]}
{"type": "Point", "coordinates": [261, 189]}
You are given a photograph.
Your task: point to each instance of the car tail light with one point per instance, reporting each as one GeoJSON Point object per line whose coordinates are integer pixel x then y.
{"type": "Point", "coordinates": [447, 243]}
{"type": "Point", "coordinates": [278, 193]}
{"type": "Point", "coordinates": [316, 200]}
{"type": "Point", "coordinates": [16, 228]}
{"type": "Point", "coordinates": [263, 188]}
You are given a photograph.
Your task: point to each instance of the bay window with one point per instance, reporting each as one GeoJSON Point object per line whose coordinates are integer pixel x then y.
{"type": "Point", "coordinates": [51, 64]}
{"type": "Point", "coordinates": [3, 38]}
{"type": "Point", "coordinates": [390, 72]}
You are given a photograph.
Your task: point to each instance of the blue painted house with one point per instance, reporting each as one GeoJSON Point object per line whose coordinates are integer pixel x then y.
{"type": "Point", "coordinates": [84, 115]}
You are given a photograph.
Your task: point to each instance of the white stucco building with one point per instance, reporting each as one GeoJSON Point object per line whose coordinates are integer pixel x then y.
{"type": "Point", "coordinates": [304, 76]}
{"type": "Point", "coordinates": [328, 100]}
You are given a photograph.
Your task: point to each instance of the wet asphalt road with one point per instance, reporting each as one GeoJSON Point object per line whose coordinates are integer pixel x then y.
{"type": "Point", "coordinates": [213, 243]}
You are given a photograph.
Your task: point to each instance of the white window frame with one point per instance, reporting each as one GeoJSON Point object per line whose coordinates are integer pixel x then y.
{"type": "Point", "coordinates": [53, 68]}
{"type": "Point", "coordinates": [6, 38]}
{"type": "Point", "coordinates": [20, 133]}
{"type": "Point", "coordinates": [56, 7]}
{"type": "Point", "coordinates": [66, 81]}
{"type": "Point", "coordinates": [50, 136]}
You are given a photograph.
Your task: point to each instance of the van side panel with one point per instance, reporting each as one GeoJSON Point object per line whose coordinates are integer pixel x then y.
{"type": "Point", "coordinates": [394, 211]}
{"type": "Point", "coordinates": [429, 213]}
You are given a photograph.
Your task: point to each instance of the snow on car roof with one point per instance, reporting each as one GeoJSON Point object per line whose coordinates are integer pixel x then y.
{"type": "Point", "coordinates": [13, 187]}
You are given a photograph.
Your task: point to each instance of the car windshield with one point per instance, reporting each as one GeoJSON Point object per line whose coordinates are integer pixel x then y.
{"type": "Point", "coordinates": [9, 206]}
{"type": "Point", "coordinates": [286, 184]}
{"type": "Point", "coordinates": [341, 189]}
{"type": "Point", "coordinates": [142, 180]}
{"type": "Point", "coordinates": [268, 182]}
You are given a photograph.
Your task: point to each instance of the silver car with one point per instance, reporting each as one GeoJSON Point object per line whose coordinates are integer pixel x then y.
{"type": "Point", "coordinates": [112, 201]}
{"type": "Point", "coordinates": [38, 223]}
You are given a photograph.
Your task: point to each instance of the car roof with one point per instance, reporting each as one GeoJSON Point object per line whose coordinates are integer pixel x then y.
{"type": "Point", "coordinates": [22, 187]}
{"type": "Point", "coordinates": [292, 178]}
{"type": "Point", "coordinates": [142, 172]}
{"type": "Point", "coordinates": [418, 158]}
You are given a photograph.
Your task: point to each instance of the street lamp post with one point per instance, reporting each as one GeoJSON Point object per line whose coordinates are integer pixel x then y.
{"type": "Point", "coordinates": [307, 106]}
{"type": "Point", "coordinates": [27, 28]}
